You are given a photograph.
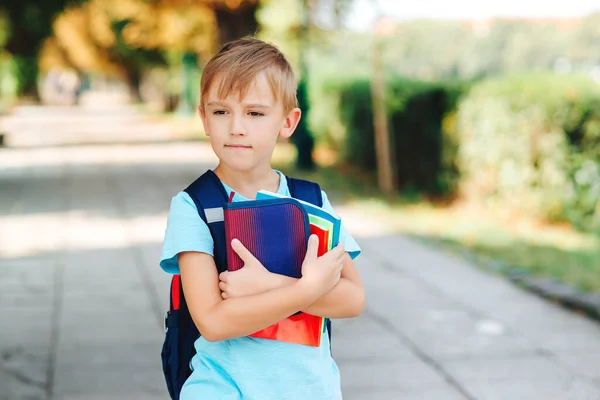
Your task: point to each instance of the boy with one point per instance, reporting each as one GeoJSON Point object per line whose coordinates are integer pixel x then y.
{"type": "Point", "coordinates": [248, 100]}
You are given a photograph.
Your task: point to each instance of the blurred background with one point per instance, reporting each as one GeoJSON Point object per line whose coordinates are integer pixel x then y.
{"type": "Point", "coordinates": [469, 131]}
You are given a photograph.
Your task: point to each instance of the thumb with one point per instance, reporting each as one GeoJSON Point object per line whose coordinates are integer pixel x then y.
{"type": "Point", "coordinates": [242, 251]}
{"type": "Point", "coordinates": [313, 247]}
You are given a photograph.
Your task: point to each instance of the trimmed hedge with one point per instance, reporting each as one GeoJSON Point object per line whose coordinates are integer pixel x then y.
{"type": "Point", "coordinates": [422, 150]}
{"type": "Point", "coordinates": [532, 142]}
{"type": "Point", "coordinates": [528, 142]}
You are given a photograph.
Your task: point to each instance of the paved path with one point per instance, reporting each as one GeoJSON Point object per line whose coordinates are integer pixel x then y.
{"type": "Point", "coordinates": [80, 234]}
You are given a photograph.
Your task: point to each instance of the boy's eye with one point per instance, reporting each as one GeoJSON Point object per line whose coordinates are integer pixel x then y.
{"type": "Point", "coordinates": [256, 114]}
{"type": "Point", "coordinates": [219, 112]}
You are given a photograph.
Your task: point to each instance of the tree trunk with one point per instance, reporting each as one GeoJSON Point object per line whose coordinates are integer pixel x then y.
{"type": "Point", "coordinates": [234, 24]}
{"type": "Point", "coordinates": [385, 171]}
{"type": "Point", "coordinates": [302, 138]}
{"type": "Point", "coordinates": [133, 78]}
{"type": "Point", "coordinates": [27, 70]}
{"type": "Point", "coordinates": [25, 50]}
{"type": "Point", "coordinates": [187, 96]}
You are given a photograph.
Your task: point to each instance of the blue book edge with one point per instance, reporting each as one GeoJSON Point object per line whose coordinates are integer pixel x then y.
{"type": "Point", "coordinates": [311, 209]}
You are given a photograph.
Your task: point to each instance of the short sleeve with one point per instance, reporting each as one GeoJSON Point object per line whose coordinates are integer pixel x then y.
{"type": "Point", "coordinates": [352, 248]}
{"type": "Point", "coordinates": [185, 231]}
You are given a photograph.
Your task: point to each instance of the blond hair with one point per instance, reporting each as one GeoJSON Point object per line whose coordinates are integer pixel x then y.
{"type": "Point", "coordinates": [238, 63]}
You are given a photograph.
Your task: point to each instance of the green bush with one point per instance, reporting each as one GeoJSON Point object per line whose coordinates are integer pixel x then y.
{"type": "Point", "coordinates": [532, 142]}
{"type": "Point", "coordinates": [422, 149]}
{"type": "Point", "coordinates": [9, 83]}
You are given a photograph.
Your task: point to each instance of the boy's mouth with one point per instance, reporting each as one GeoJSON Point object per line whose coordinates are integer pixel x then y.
{"type": "Point", "coordinates": [237, 146]}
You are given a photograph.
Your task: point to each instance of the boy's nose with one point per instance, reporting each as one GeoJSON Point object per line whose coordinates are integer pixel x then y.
{"type": "Point", "coordinates": [237, 126]}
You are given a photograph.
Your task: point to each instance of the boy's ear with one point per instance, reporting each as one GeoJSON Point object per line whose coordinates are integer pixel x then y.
{"type": "Point", "coordinates": [203, 118]}
{"type": "Point", "coordinates": [290, 123]}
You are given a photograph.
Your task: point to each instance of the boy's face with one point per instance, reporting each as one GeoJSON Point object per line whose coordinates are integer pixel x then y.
{"type": "Point", "coordinates": [243, 131]}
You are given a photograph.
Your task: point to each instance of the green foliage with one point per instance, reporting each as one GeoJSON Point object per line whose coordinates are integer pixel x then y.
{"type": "Point", "coordinates": [130, 56]}
{"type": "Point", "coordinates": [4, 28]}
{"type": "Point", "coordinates": [8, 80]}
{"type": "Point", "coordinates": [296, 27]}
{"type": "Point", "coordinates": [331, 64]}
{"type": "Point", "coordinates": [585, 40]}
{"type": "Point", "coordinates": [422, 147]}
{"type": "Point", "coordinates": [532, 142]}
{"type": "Point", "coordinates": [25, 72]}
{"type": "Point", "coordinates": [280, 24]}
{"type": "Point", "coordinates": [30, 22]}
{"type": "Point", "coordinates": [433, 50]}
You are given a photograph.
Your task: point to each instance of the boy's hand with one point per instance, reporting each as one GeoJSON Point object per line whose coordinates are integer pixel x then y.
{"type": "Point", "coordinates": [321, 274]}
{"type": "Point", "coordinates": [251, 279]}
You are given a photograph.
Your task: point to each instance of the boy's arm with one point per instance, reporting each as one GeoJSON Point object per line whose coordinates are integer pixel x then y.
{"type": "Point", "coordinates": [219, 319]}
{"type": "Point", "coordinates": [345, 300]}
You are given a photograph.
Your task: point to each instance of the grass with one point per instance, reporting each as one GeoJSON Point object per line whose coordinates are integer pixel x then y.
{"type": "Point", "coordinates": [496, 240]}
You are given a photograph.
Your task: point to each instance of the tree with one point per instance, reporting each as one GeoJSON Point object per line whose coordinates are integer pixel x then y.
{"type": "Point", "coordinates": [30, 23]}
{"type": "Point", "coordinates": [141, 29]}
{"type": "Point", "coordinates": [584, 46]}
{"type": "Point", "coordinates": [295, 26]}
{"type": "Point", "coordinates": [234, 23]}
{"type": "Point", "coordinates": [233, 18]}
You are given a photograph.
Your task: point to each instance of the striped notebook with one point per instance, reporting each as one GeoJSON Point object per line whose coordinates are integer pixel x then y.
{"type": "Point", "coordinates": [276, 232]}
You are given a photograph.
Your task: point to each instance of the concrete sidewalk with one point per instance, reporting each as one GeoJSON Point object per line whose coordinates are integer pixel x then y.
{"type": "Point", "coordinates": [80, 235]}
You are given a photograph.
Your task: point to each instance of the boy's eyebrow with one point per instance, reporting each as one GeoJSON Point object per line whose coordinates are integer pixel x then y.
{"type": "Point", "coordinates": [252, 105]}
{"type": "Point", "coordinates": [257, 105]}
{"type": "Point", "coordinates": [217, 103]}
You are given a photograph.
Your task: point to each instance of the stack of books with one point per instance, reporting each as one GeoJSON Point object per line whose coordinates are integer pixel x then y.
{"type": "Point", "coordinates": [275, 229]}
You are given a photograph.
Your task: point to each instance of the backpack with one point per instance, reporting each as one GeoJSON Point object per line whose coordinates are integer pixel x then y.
{"type": "Point", "coordinates": [209, 196]}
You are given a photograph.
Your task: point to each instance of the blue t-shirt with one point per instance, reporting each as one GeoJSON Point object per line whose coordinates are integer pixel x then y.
{"type": "Point", "coordinates": [245, 367]}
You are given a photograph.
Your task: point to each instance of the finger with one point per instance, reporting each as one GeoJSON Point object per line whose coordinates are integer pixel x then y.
{"type": "Point", "coordinates": [224, 295]}
{"type": "Point", "coordinates": [342, 257]}
{"type": "Point", "coordinates": [334, 255]}
{"type": "Point", "coordinates": [313, 247]}
{"type": "Point", "coordinates": [223, 286]}
{"type": "Point", "coordinates": [224, 276]}
{"type": "Point", "coordinates": [338, 254]}
{"type": "Point", "coordinates": [242, 251]}
{"type": "Point", "coordinates": [339, 249]}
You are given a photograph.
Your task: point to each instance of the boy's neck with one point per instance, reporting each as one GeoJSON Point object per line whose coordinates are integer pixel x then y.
{"type": "Point", "coordinates": [248, 183]}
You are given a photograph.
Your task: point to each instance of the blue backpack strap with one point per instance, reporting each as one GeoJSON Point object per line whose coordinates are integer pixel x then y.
{"type": "Point", "coordinates": [305, 190]}
{"type": "Point", "coordinates": [209, 196]}
{"type": "Point", "coordinates": [311, 193]}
